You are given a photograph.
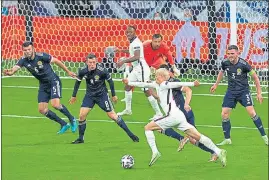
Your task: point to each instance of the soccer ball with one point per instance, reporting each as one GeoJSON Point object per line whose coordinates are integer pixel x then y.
{"type": "Point", "coordinates": [127, 161]}
{"type": "Point", "coordinates": [122, 68]}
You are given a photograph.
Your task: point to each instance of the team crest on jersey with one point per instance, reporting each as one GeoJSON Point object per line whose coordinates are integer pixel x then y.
{"type": "Point", "coordinates": [40, 64]}
{"type": "Point", "coordinates": [239, 71]}
{"type": "Point", "coordinates": [96, 77]}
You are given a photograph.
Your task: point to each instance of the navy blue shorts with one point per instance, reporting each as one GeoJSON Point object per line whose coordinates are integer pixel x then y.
{"type": "Point", "coordinates": [48, 91]}
{"type": "Point", "coordinates": [244, 98]}
{"type": "Point", "coordinates": [103, 101]}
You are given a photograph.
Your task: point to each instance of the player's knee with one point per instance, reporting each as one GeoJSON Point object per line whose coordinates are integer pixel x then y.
{"type": "Point", "coordinates": [82, 117]}
{"type": "Point", "coordinates": [112, 115]}
{"type": "Point", "coordinates": [56, 105]}
{"type": "Point", "coordinates": [224, 115]}
{"type": "Point", "coordinates": [43, 110]}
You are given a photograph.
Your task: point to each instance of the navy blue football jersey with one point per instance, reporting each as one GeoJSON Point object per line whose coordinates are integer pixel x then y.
{"type": "Point", "coordinates": [95, 80]}
{"type": "Point", "coordinates": [237, 75]}
{"type": "Point", "coordinates": [39, 67]}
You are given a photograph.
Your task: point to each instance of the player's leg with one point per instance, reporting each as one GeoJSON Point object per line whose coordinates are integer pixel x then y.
{"type": "Point", "coordinates": [56, 93]}
{"type": "Point", "coordinates": [43, 99]}
{"type": "Point", "coordinates": [192, 132]}
{"type": "Point", "coordinates": [86, 106]}
{"type": "Point", "coordinates": [149, 128]}
{"type": "Point", "coordinates": [229, 102]}
{"type": "Point", "coordinates": [170, 132]}
{"type": "Point", "coordinates": [144, 76]}
{"type": "Point", "coordinates": [128, 100]}
{"type": "Point", "coordinates": [247, 102]}
{"type": "Point", "coordinates": [118, 119]}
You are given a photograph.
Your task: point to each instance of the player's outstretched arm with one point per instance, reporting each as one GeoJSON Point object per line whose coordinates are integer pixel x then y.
{"type": "Point", "coordinates": [61, 65]}
{"type": "Point", "coordinates": [10, 72]}
{"type": "Point", "coordinates": [257, 84]}
{"type": "Point", "coordinates": [171, 85]}
{"type": "Point", "coordinates": [75, 90]}
{"type": "Point", "coordinates": [139, 84]}
{"type": "Point", "coordinates": [131, 59]}
{"type": "Point", "coordinates": [117, 50]}
{"type": "Point", "coordinates": [219, 78]}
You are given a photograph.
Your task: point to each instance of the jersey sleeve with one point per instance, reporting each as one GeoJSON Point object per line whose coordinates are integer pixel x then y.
{"type": "Point", "coordinates": [81, 73]}
{"type": "Point", "coordinates": [20, 62]}
{"type": "Point", "coordinates": [136, 46]}
{"type": "Point", "coordinates": [247, 68]}
{"type": "Point", "coordinates": [223, 66]}
{"type": "Point", "coordinates": [46, 57]}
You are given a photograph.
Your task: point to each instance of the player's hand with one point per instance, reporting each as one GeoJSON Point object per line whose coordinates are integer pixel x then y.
{"type": "Point", "coordinates": [213, 88]}
{"type": "Point", "coordinates": [125, 81]}
{"type": "Point", "coordinates": [119, 64]}
{"type": "Point", "coordinates": [73, 75]}
{"type": "Point", "coordinates": [117, 50]}
{"type": "Point", "coordinates": [115, 99]}
{"type": "Point", "coordinates": [196, 83]}
{"type": "Point", "coordinates": [187, 107]}
{"type": "Point", "coordinates": [7, 72]}
{"type": "Point", "coordinates": [176, 71]}
{"type": "Point", "coordinates": [72, 100]}
{"type": "Point", "coordinates": [259, 98]}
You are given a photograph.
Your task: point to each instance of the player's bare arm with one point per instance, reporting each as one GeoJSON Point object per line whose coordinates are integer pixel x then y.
{"type": "Point", "coordinates": [61, 65]}
{"type": "Point", "coordinates": [257, 84]}
{"type": "Point", "coordinates": [117, 50]}
{"type": "Point", "coordinates": [10, 72]}
{"type": "Point", "coordinates": [131, 59]}
{"type": "Point", "coordinates": [188, 93]}
{"type": "Point", "coordinates": [219, 78]}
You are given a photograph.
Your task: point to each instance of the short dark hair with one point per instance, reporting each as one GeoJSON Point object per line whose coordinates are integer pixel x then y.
{"type": "Point", "coordinates": [132, 26]}
{"type": "Point", "coordinates": [233, 47]}
{"type": "Point", "coordinates": [90, 56]}
{"type": "Point", "coordinates": [155, 36]}
{"type": "Point", "coordinates": [27, 43]}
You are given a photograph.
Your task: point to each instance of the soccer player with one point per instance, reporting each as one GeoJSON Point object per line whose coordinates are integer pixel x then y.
{"type": "Point", "coordinates": [238, 91]}
{"type": "Point", "coordinates": [140, 72]}
{"type": "Point", "coordinates": [50, 86]}
{"type": "Point", "coordinates": [184, 105]}
{"type": "Point", "coordinates": [156, 53]}
{"type": "Point", "coordinates": [96, 93]}
{"type": "Point", "coordinates": [173, 116]}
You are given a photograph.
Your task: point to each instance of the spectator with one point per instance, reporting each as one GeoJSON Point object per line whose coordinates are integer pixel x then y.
{"type": "Point", "coordinates": [157, 16]}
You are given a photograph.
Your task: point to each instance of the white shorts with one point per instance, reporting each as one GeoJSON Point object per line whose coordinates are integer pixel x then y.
{"type": "Point", "coordinates": [175, 119]}
{"type": "Point", "coordinates": [139, 74]}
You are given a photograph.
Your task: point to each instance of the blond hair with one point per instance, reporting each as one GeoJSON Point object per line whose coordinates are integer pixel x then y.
{"type": "Point", "coordinates": [164, 73]}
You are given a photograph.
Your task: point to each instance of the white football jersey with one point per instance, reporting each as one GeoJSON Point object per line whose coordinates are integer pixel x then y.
{"type": "Point", "coordinates": [136, 44]}
{"type": "Point", "coordinates": [164, 91]}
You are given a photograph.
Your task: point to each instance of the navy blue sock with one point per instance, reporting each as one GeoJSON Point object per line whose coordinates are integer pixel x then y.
{"type": "Point", "coordinates": [122, 124]}
{"type": "Point", "coordinates": [172, 133]}
{"type": "Point", "coordinates": [65, 111]}
{"type": "Point", "coordinates": [51, 115]}
{"type": "Point", "coordinates": [258, 123]}
{"type": "Point", "coordinates": [203, 147]}
{"type": "Point", "coordinates": [226, 127]}
{"type": "Point", "coordinates": [81, 129]}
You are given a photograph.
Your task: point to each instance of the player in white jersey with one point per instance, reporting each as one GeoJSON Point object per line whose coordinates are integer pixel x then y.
{"type": "Point", "coordinates": [173, 116]}
{"type": "Point", "coordinates": [140, 72]}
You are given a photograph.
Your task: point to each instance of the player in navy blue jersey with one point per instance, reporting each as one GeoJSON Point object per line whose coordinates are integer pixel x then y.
{"type": "Point", "coordinates": [184, 105]}
{"type": "Point", "coordinates": [238, 91]}
{"type": "Point", "coordinates": [96, 93]}
{"type": "Point", "coordinates": [50, 86]}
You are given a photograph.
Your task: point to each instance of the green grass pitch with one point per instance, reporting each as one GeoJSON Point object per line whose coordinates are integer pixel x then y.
{"type": "Point", "coordinates": [31, 149]}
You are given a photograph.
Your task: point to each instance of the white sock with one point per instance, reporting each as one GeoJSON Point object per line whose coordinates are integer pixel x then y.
{"type": "Point", "coordinates": [151, 141]}
{"type": "Point", "coordinates": [128, 100]}
{"type": "Point", "coordinates": [154, 104]}
{"type": "Point", "coordinates": [209, 144]}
